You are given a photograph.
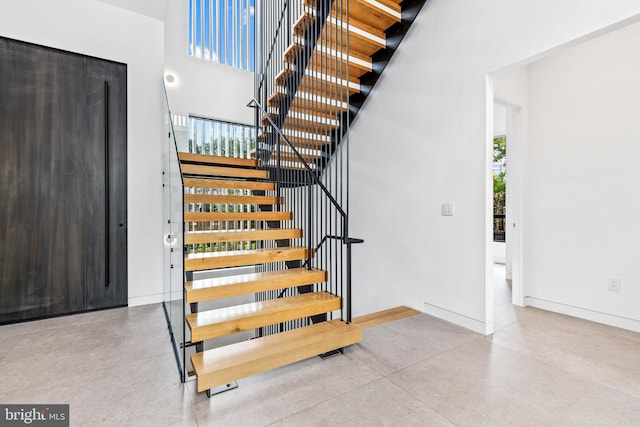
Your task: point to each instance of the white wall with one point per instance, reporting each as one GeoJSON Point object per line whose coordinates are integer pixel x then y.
{"type": "Point", "coordinates": [423, 138]}
{"type": "Point", "coordinates": [202, 88]}
{"type": "Point", "coordinates": [104, 31]}
{"type": "Point", "coordinates": [584, 180]}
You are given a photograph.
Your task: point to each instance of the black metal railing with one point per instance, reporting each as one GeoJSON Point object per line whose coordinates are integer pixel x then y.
{"type": "Point", "coordinates": [326, 220]}
{"type": "Point", "coordinates": [302, 94]}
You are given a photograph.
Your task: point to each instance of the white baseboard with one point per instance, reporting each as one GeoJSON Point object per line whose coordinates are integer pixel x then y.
{"type": "Point", "coordinates": [145, 299]}
{"type": "Point", "coordinates": [582, 313]}
{"type": "Point", "coordinates": [459, 319]}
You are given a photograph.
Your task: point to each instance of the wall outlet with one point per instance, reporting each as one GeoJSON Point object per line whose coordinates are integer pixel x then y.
{"type": "Point", "coordinates": [447, 209]}
{"type": "Point", "coordinates": [614, 284]}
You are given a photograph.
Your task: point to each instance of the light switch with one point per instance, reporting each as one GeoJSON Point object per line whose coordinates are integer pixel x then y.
{"type": "Point", "coordinates": [447, 209]}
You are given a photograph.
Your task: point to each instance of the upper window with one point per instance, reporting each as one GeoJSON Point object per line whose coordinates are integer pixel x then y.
{"type": "Point", "coordinates": [223, 31]}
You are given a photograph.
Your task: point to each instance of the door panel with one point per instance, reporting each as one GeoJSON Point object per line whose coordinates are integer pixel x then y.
{"type": "Point", "coordinates": [53, 205]}
{"type": "Point", "coordinates": [106, 240]}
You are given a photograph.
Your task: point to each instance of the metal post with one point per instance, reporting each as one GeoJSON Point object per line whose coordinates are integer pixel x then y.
{"type": "Point", "coordinates": [309, 221]}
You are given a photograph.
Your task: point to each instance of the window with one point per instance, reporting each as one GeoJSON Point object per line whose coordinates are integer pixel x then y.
{"type": "Point", "coordinates": [219, 138]}
{"type": "Point", "coordinates": [223, 31]}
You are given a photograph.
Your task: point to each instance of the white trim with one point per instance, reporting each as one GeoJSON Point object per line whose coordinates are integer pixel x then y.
{"type": "Point", "coordinates": [335, 53]}
{"type": "Point", "coordinates": [385, 8]}
{"type": "Point", "coordinates": [145, 300]}
{"type": "Point", "coordinates": [584, 313]}
{"type": "Point", "coordinates": [466, 322]}
{"type": "Point", "coordinates": [353, 29]}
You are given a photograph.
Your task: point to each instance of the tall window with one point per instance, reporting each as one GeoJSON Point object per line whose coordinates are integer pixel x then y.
{"type": "Point", "coordinates": [223, 31]}
{"type": "Point", "coordinates": [219, 138]}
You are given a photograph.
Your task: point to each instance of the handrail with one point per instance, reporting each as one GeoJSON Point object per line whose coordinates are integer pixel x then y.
{"type": "Point", "coordinates": [301, 159]}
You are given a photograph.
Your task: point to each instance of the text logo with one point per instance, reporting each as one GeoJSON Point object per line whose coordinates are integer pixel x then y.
{"type": "Point", "coordinates": [34, 415]}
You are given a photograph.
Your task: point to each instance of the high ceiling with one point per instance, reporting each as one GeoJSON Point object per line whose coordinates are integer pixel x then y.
{"type": "Point", "coordinates": [152, 8]}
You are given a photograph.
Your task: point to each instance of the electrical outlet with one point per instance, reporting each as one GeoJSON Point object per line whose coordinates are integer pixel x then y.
{"type": "Point", "coordinates": [614, 284]}
{"type": "Point", "coordinates": [447, 209]}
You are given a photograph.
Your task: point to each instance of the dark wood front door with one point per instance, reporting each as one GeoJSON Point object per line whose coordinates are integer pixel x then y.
{"type": "Point", "coordinates": [62, 182]}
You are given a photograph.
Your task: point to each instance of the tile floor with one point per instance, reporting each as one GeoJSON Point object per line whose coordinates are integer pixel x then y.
{"type": "Point", "coordinates": [116, 368]}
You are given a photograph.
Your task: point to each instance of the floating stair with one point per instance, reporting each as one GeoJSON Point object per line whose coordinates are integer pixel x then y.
{"type": "Point", "coordinates": [232, 183]}
{"type": "Point", "coordinates": [342, 56]}
{"type": "Point", "coordinates": [310, 96]}
{"type": "Point", "coordinates": [224, 287]}
{"type": "Point", "coordinates": [225, 321]}
{"type": "Point", "coordinates": [226, 364]}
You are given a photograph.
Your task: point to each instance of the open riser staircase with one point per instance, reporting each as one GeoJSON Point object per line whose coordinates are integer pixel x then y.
{"type": "Point", "coordinates": [232, 232]}
{"type": "Point", "coordinates": [282, 212]}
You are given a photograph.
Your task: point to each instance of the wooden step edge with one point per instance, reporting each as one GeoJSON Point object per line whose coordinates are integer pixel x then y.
{"type": "Point", "coordinates": [355, 59]}
{"type": "Point", "coordinates": [205, 170]}
{"type": "Point", "coordinates": [289, 156]}
{"type": "Point", "coordinates": [325, 47]}
{"type": "Point", "coordinates": [237, 216]}
{"type": "Point", "coordinates": [209, 159]}
{"type": "Point", "coordinates": [228, 183]}
{"type": "Point", "coordinates": [389, 10]}
{"type": "Point", "coordinates": [232, 199]}
{"type": "Point", "coordinates": [356, 26]}
{"type": "Point", "coordinates": [226, 364]}
{"type": "Point", "coordinates": [353, 22]}
{"type": "Point", "coordinates": [302, 139]}
{"type": "Point", "coordinates": [392, 5]}
{"type": "Point", "coordinates": [219, 236]}
{"type": "Point", "coordinates": [381, 317]}
{"type": "Point", "coordinates": [244, 284]}
{"type": "Point", "coordinates": [211, 324]}
{"type": "Point", "coordinates": [213, 260]}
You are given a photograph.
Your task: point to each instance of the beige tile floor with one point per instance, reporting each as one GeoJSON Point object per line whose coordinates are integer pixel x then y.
{"type": "Point", "coordinates": [116, 368]}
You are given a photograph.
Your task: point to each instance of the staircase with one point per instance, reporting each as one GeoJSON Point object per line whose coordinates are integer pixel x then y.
{"type": "Point", "coordinates": [284, 211]}
{"type": "Point", "coordinates": [332, 57]}
{"type": "Point", "coordinates": [229, 182]}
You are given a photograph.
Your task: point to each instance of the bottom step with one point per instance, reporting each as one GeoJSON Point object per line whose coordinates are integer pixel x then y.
{"type": "Point", "coordinates": [225, 364]}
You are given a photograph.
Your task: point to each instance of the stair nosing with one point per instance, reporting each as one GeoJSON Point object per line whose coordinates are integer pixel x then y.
{"type": "Point", "coordinates": [243, 284]}
{"type": "Point", "coordinates": [229, 320]}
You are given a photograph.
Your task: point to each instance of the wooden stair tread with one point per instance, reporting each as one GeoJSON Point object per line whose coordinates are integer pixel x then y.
{"type": "Point", "coordinates": [243, 284]}
{"type": "Point", "coordinates": [301, 139]}
{"type": "Point", "coordinates": [225, 364]}
{"type": "Point", "coordinates": [232, 199]}
{"type": "Point", "coordinates": [392, 4]}
{"type": "Point", "coordinates": [309, 125]}
{"type": "Point", "coordinates": [237, 216]}
{"type": "Point", "coordinates": [194, 169]}
{"type": "Point", "coordinates": [315, 78]}
{"type": "Point", "coordinates": [212, 236]}
{"type": "Point", "coordinates": [211, 260]}
{"type": "Point", "coordinates": [306, 118]}
{"type": "Point", "coordinates": [291, 157]}
{"type": "Point", "coordinates": [215, 160]}
{"type": "Point", "coordinates": [229, 183]}
{"type": "Point", "coordinates": [294, 51]}
{"type": "Point", "coordinates": [314, 102]}
{"type": "Point", "coordinates": [292, 165]}
{"type": "Point", "coordinates": [363, 11]}
{"type": "Point", "coordinates": [353, 21]}
{"type": "Point", "coordinates": [384, 316]}
{"type": "Point", "coordinates": [334, 35]}
{"type": "Point", "coordinates": [229, 320]}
